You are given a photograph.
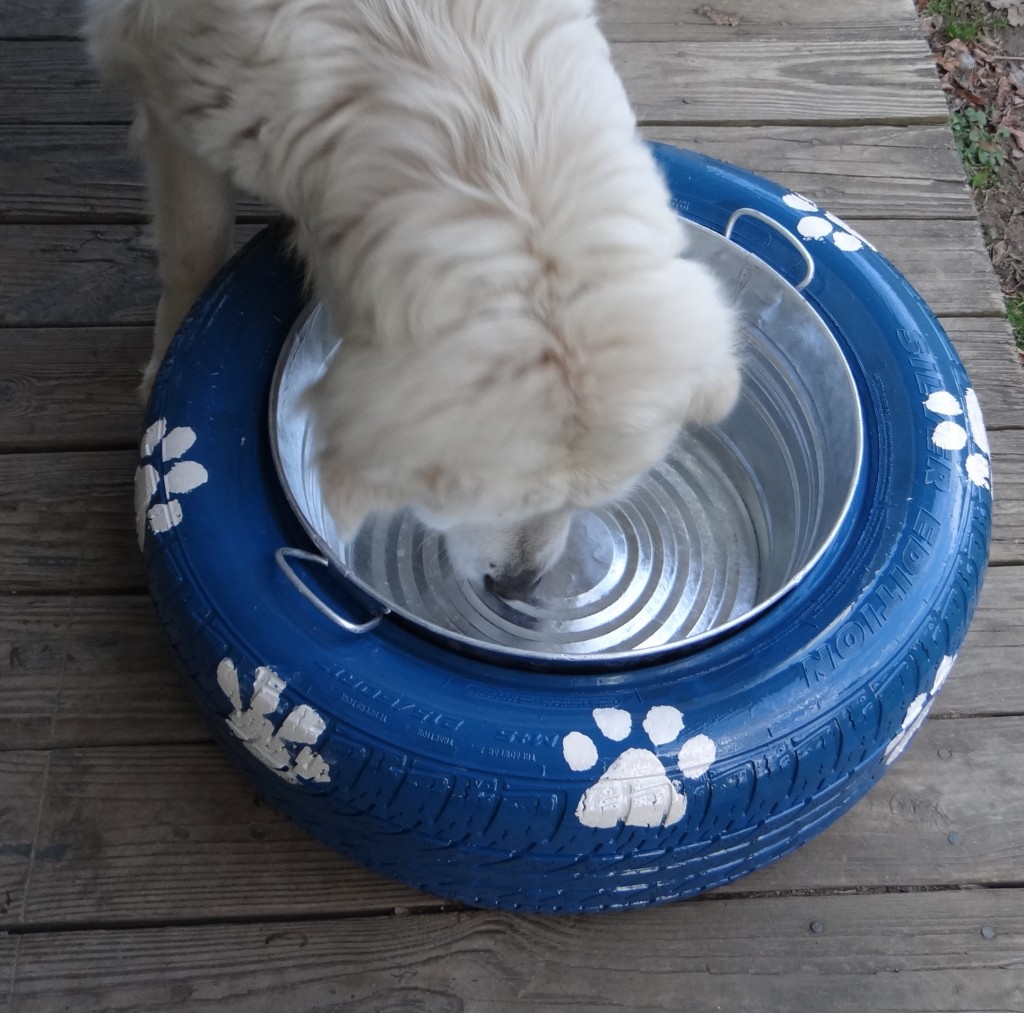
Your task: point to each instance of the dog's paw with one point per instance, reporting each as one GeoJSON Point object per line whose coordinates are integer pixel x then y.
{"type": "Point", "coordinates": [954, 436]}
{"type": "Point", "coordinates": [275, 747]}
{"type": "Point", "coordinates": [635, 789]}
{"type": "Point", "coordinates": [159, 449]}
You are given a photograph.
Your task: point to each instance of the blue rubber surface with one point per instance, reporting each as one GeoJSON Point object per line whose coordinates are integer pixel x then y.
{"type": "Point", "coordinates": [464, 778]}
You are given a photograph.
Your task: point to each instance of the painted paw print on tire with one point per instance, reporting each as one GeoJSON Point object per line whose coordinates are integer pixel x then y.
{"type": "Point", "coordinates": [823, 225]}
{"type": "Point", "coordinates": [253, 724]}
{"type": "Point", "coordinates": [636, 789]}
{"type": "Point", "coordinates": [951, 434]}
{"type": "Point", "coordinates": [917, 712]}
{"type": "Point", "coordinates": [159, 449]}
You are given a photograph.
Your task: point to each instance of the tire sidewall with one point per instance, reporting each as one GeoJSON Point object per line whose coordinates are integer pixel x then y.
{"type": "Point", "coordinates": [440, 764]}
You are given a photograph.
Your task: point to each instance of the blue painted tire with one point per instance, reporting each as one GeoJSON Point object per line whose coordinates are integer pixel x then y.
{"type": "Point", "coordinates": [453, 774]}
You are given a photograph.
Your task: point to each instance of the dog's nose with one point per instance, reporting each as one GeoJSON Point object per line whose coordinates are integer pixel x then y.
{"type": "Point", "coordinates": [513, 586]}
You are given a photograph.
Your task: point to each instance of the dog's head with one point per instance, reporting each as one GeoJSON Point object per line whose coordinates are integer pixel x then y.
{"type": "Point", "coordinates": [498, 428]}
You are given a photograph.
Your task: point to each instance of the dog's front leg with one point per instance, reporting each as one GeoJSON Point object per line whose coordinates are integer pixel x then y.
{"type": "Point", "coordinates": [193, 218]}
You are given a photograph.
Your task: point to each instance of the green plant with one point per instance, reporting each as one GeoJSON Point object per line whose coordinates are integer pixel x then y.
{"type": "Point", "coordinates": [981, 146]}
{"type": "Point", "coordinates": [965, 19]}
{"type": "Point", "coordinates": [1015, 311]}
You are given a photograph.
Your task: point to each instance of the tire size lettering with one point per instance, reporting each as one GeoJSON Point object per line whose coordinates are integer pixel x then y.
{"type": "Point", "coordinates": [394, 703]}
{"type": "Point", "coordinates": [893, 587]}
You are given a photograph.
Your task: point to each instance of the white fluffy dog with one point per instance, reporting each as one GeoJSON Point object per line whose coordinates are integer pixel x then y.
{"type": "Point", "coordinates": [474, 205]}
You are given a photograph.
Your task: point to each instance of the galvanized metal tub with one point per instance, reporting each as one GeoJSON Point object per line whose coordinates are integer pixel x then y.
{"type": "Point", "coordinates": [734, 517]}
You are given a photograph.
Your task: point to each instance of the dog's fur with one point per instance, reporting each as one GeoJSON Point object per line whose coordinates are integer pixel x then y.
{"type": "Point", "coordinates": [474, 204]}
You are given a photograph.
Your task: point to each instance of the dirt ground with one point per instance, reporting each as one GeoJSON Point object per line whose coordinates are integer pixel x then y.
{"type": "Point", "coordinates": [979, 53]}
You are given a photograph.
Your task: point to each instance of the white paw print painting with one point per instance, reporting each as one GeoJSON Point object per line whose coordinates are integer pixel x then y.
{"type": "Point", "coordinates": [636, 789]}
{"type": "Point", "coordinates": [917, 712]}
{"type": "Point", "coordinates": [285, 749]}
{"type": "Point", "coordinates": [162, 454]}
{"type": "Point", "coordinates": [824, 226]}
{"type": "Point", "coordinates": [952, 433]}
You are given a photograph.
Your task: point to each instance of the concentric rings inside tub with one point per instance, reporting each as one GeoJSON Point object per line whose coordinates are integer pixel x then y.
{"type": "Point", "coordinates": [732, 519]}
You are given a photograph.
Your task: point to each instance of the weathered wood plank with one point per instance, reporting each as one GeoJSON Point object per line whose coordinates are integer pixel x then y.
{"type": "Point", "coordinates": [40, 19]}
{"type": "Point", "coordinates": [155, 833]}
{"type": "Point", "coordinates": [987, 348]}
{"type": "Point", "coordinates": [75, 388]}
{"type": "Point", "coordinates": [68, 683]}
{"type": "Point", "coordinates": [8, 962]}
{"type": "Point", "coordinates": [623, 20]}
{"type": "Point", "coordinates": [670, 20]}
{"type": "Point", "coordinates": [987, 676]}
{"type": "Point", "coordinates": [89, 671]}
{"type": "Point", "coordinates": [66, 522]}
{"type": "Point", "coordinates": [70, 172]}
{"type": "Point", "coordinates": [164, 833]}
{"type": "Point", "coordinates": [50, 81]}
{"type": "Point", "coordinates": [66, 519]}
{"type": "Point", "coordinates": [855, 172]}
{"type": "Point", "coordinates": [75, 274]}
{"type": "Point", "coordinates": [23, 776]}
{"type": "Point", "coordinates": [69, 388]}
{"type": "Point", "coordinates": [64, 172]}
{"type": "Point", "coordinates": [945, 261]}
{"type": "Point", "coordinates": [1008, 496]}
{"type": "Point", "coordinates": [744, 80]}
{"type": "Point", "coordinates": [882, 172]}
{"type": "Point", "coordinates": [59, 275]}
{"type": "Point", "coordinates": [93, 275]}
{"type": "Point", "coordinates": [68, 664]}
{"type": "Point", "coordinates": [769, 81]}
{"type": "Point", "coordinates": [916, 952]}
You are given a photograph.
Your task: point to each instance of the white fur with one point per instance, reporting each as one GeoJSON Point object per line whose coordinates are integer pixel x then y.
{"type": "Point", "coordinates": [473, 203]}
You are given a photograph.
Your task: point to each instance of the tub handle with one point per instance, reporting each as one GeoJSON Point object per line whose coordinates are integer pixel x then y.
{"type": "Point", "coordinates": [782, 230]}
{"type": "Point", "coordinates": [283, 557]}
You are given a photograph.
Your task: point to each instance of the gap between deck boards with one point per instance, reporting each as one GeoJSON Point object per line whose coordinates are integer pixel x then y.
{"type": "Point", "coordinates": [432, 907]}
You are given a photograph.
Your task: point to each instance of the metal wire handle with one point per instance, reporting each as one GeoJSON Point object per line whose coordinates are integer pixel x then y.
{"type": "Point", "coordinates": [782, 230]}
{"type": "Point", "coordinates": [284, 555]}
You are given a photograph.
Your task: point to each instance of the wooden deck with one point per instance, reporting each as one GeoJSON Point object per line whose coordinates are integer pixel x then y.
{"type": "Point", "coordinates": [137, 873]}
